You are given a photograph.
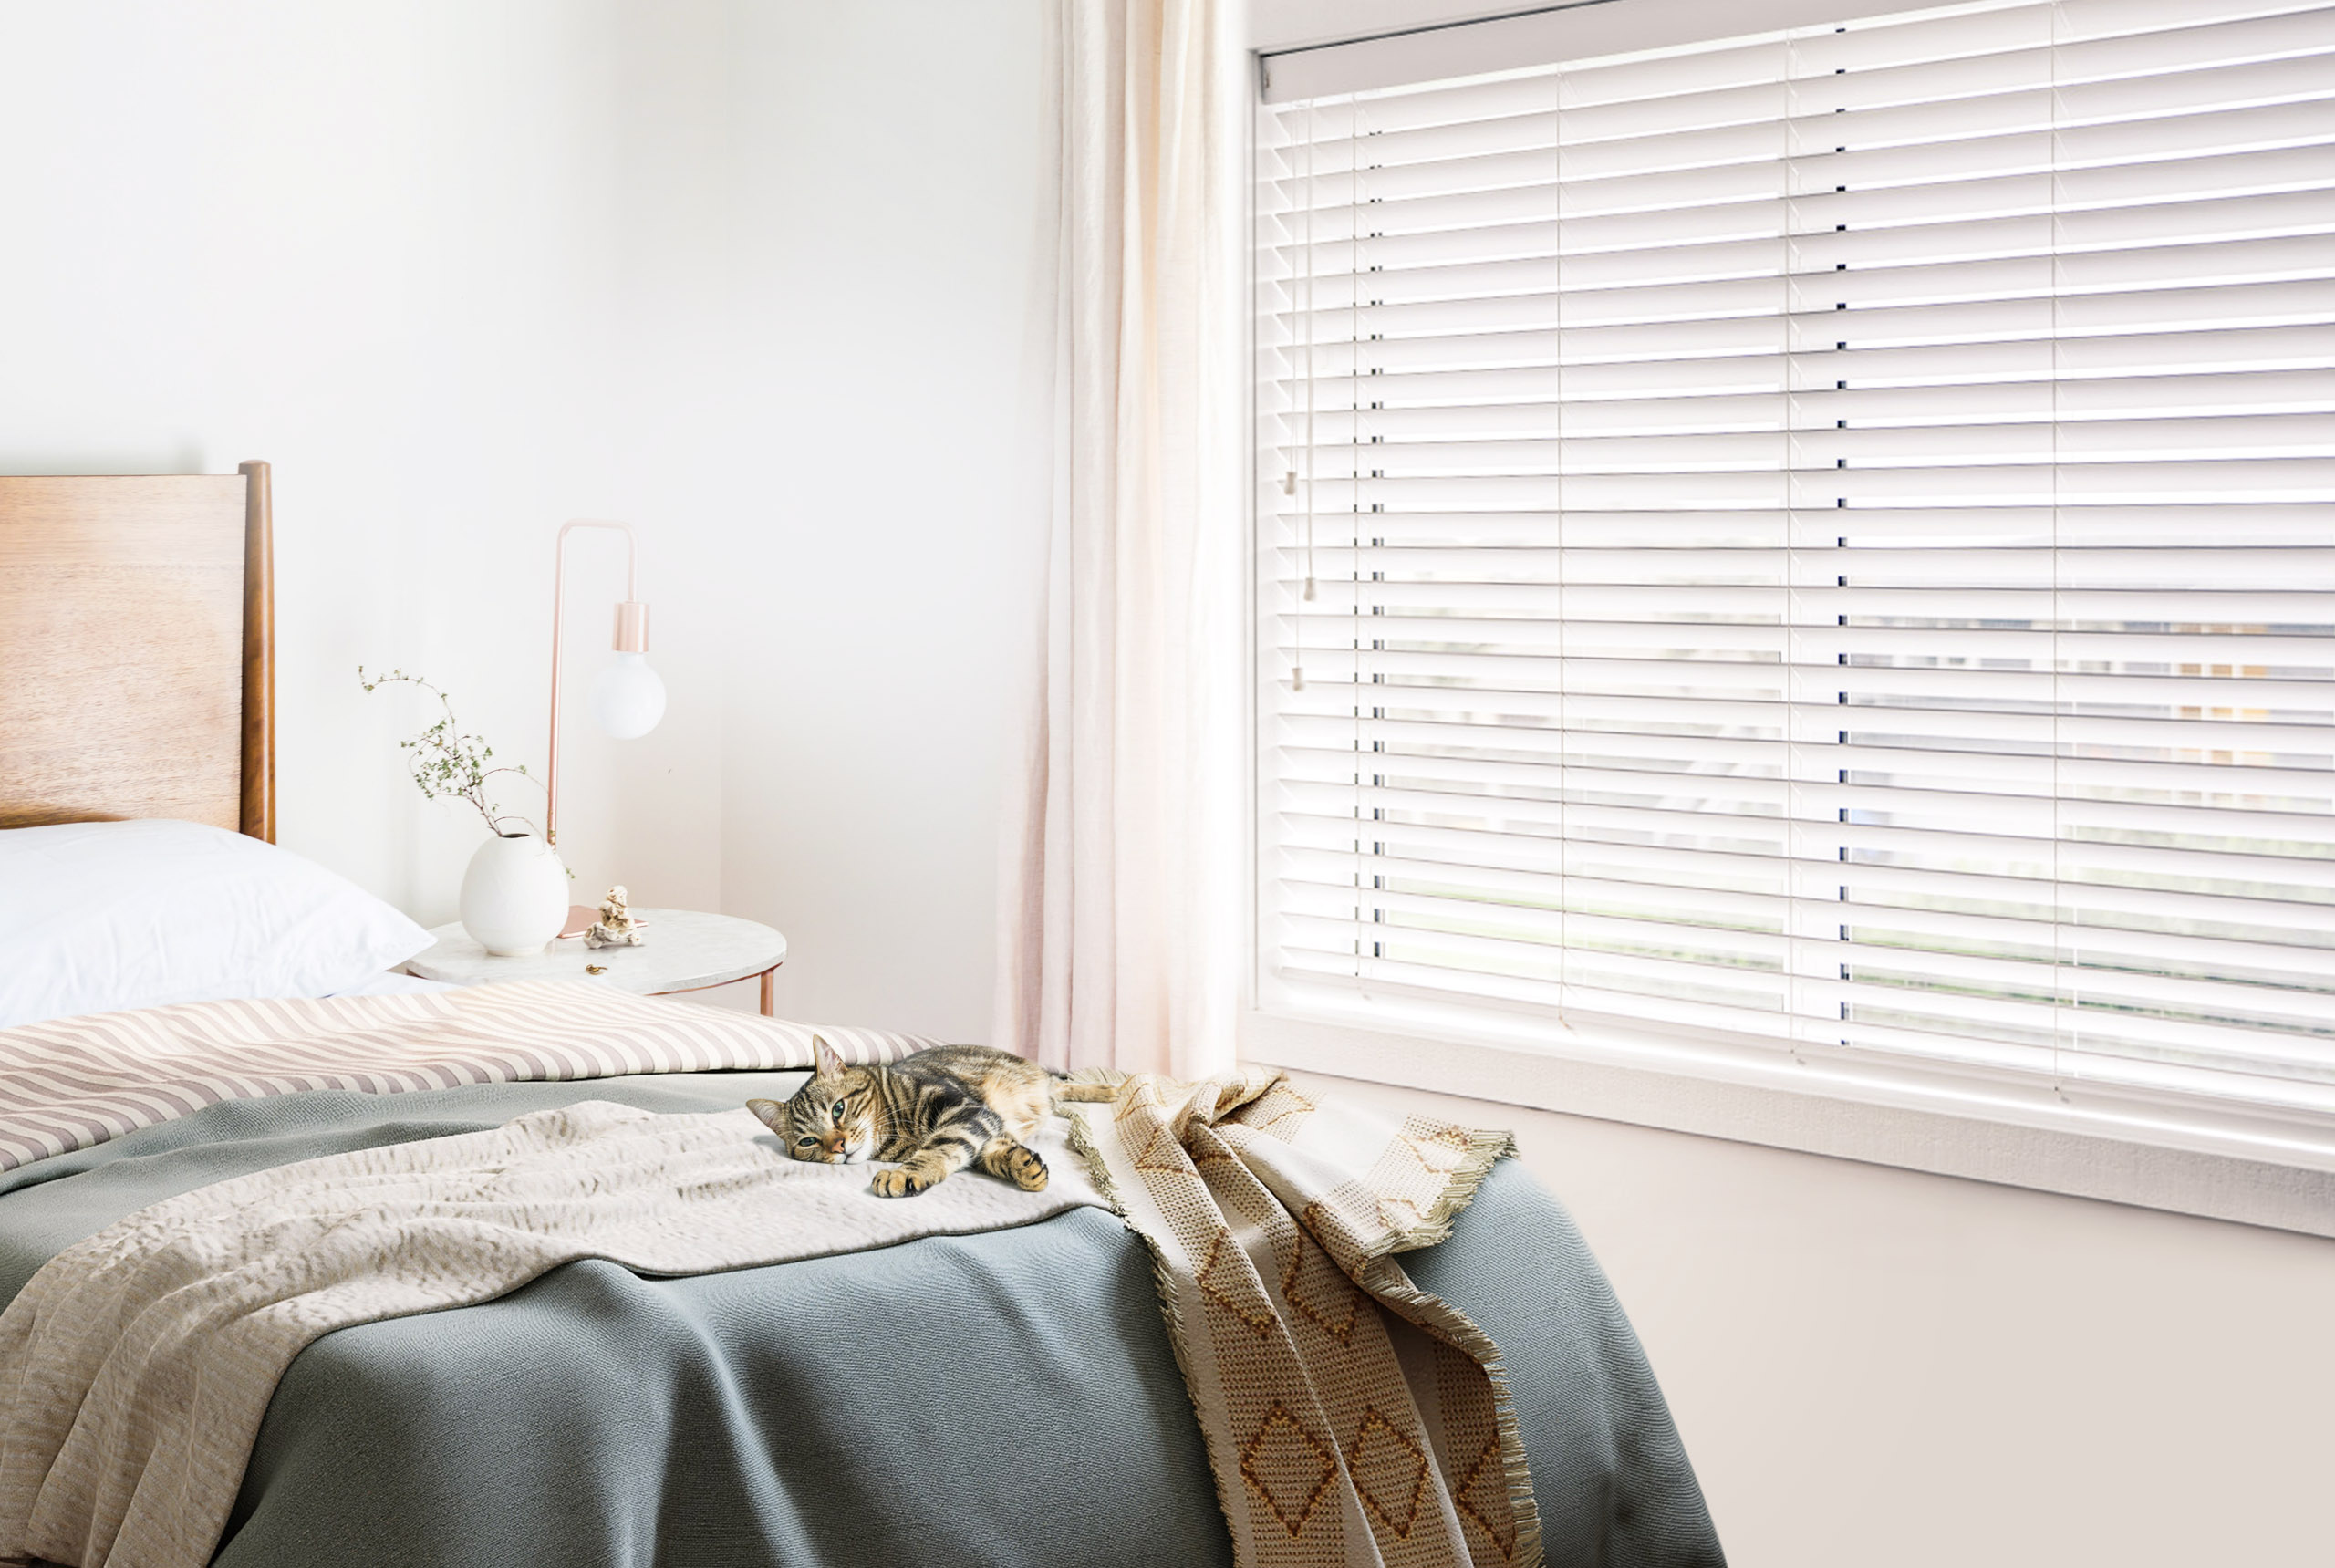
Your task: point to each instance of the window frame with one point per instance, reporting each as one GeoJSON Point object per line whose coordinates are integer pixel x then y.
{"type": "Point", "coordinates": [2129, 1145]}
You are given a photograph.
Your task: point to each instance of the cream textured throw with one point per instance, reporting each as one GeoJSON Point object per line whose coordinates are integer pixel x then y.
{"type": "Point", "coordinates": [136, 1366]}
{"type": "Point", "coordinates": [1352, 1419]}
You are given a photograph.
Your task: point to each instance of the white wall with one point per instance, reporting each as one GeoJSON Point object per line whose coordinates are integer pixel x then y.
{"type": "Point", "coordinates": [376, 246]}
{"type": "Point", "coordinates": [752, 275]}
{"type": "Point", "coordinates": [759, 277]}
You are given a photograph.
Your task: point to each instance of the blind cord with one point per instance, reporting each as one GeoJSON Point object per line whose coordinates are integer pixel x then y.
{"type": "Point", "coordinates": [1297, 668]}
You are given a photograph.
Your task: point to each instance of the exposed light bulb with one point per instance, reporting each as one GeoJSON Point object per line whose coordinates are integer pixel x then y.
{"type": "Point", "coordinates": [627, 696]}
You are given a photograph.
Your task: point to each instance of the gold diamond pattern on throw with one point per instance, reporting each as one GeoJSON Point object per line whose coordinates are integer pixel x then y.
{"type": "Point", "coordinates": [1388, 1470]}
{"type": "Point", "coordinates": [1314, 1286]}
{"type": "Point", "coordinates": [1258, 1315]}
{"type": "Point", "coordinates": [1288, 1467]}
{"type": "Point", "coordinates": [1160, 1151]}
{"type": "Point", "coordinates": [1278, 1105]}
{"type": "Point", "coordinates": [1485, 1480]}
{"type": "Point", "coordinates": [1142, 1095]}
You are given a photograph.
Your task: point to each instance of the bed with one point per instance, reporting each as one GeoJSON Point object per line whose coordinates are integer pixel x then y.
{"type": "Point", "coordinates": [1009, 1396]}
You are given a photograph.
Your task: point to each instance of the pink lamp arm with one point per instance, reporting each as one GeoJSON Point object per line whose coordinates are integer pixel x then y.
{"type": "Point", "coordinates": [631, 637]}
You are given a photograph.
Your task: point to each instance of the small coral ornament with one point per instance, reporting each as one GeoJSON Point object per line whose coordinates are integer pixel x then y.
{"type": "Point", "coordinates": [615, 927]}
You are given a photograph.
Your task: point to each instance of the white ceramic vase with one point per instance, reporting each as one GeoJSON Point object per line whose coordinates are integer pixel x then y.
{"type": "Point", "coordinates": [514, 896]}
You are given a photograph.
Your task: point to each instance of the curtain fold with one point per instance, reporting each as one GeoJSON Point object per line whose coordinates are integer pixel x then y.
{"type": "Point", "coordinates": [1121, 919]}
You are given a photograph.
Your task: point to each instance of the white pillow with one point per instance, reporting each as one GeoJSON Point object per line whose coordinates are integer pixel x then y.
{"type": "Point", "coordinates": [98, 916]}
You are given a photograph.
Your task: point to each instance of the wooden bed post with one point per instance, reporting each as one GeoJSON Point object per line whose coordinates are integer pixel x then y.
{"type": "Point", "coordinates": [259, 654]}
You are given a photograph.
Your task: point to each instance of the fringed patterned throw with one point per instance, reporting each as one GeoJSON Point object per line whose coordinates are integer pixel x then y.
{"type": "Point", "coordinates": [1352, 1419]}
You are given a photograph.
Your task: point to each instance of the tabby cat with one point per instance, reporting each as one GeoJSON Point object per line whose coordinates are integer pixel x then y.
{"type": "Point", "coordinates": [935, 1112]}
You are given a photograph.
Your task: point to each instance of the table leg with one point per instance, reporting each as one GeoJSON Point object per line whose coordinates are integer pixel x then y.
{"type": "Point", "coordinates": [770, 992]}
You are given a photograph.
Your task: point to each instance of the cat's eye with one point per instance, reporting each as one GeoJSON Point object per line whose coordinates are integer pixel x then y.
{"type": "Point", "coordinates": [806, 1142]}
{"type": "Point", "coordinates": [838, 1112]}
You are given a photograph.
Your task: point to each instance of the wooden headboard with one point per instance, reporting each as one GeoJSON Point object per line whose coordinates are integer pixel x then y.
{"type": "Point", "coordinates": [137, 651]}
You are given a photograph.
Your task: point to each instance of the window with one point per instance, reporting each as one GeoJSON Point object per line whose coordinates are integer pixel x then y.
{"type": "Point", "coordinates": [1820, 540]}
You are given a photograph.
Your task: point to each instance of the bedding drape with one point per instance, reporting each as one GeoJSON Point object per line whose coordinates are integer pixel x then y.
{"type": "Point", "coordinates": [136, 1368]}
{"type": "Point", "coordinates": [427, 1432]}
{"type": "Point", "coordinates": [1120, 919]}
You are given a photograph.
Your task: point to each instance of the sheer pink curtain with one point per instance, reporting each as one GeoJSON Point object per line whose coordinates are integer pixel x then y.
{"type": "Point", "coordinates": [1121, 922]}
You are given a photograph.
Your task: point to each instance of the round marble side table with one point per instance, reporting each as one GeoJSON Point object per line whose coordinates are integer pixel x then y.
{"type": "Point", "coordinates": [681, 949]}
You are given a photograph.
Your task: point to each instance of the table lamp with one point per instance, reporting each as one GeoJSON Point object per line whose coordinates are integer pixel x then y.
{"type": "Point", "coordinates": [626, 697]}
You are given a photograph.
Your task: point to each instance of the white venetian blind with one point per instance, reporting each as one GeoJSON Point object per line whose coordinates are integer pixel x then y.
{"type": "Point", "coordinates": [1823, 537]}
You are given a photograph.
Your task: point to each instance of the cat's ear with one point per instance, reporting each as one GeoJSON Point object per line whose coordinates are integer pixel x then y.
{"type": "Point", "coordinates": [830, 1064]}
{"type": "Point", "coordinates": [770, 1111]}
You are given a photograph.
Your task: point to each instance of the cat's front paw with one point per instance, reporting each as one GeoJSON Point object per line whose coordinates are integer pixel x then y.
{"type": "Point", "coordinates": [897, 1183]}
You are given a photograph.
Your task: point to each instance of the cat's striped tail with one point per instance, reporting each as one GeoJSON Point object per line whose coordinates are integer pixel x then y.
{"type": "Point", "coordinates": [1096, 1083]}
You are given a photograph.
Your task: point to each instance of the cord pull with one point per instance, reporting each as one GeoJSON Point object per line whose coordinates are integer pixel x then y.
{"type": "Point", "coordinates": [1309, 589]}
{"type": "Point", "coordinates": [1297, 677]}
{"type": "Point", "coordinates": [1289, 482]}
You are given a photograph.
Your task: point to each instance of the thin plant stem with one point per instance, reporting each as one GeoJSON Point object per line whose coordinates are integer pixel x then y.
{"type": "Point", "coordinates": [447, 763]}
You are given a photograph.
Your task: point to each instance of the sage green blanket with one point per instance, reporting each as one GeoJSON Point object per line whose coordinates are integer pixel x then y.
{"type": "Point", "coordinates": [1009, 1397]}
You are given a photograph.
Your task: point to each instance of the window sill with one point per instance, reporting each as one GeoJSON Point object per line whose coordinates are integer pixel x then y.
{"type": "Point", "coordinates": [2121, 1151]}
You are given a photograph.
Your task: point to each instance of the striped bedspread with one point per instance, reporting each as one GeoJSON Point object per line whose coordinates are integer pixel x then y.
{"type": "Point", "coordinates": [70, 1083]}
